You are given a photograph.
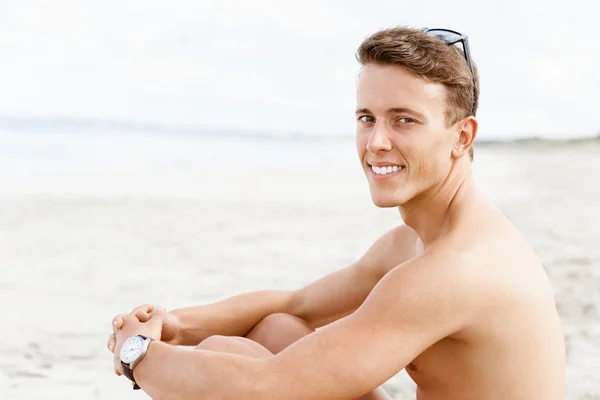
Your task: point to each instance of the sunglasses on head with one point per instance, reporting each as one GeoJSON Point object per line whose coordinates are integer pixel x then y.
{"type": "Point", "coordinates": [452, 38]}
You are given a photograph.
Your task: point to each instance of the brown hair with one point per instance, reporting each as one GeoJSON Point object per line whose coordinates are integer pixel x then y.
{"type": "Point", "coordinates": [429, 58]}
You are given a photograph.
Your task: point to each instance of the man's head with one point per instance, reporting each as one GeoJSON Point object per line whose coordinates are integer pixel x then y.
{"type": "Point", "coordinates": [416, 99]}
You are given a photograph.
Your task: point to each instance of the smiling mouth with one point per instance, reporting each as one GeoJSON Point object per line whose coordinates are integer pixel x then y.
{"type": "Point", "coordinates": [386, 170]}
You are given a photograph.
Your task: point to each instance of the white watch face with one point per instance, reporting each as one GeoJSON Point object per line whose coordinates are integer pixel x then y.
{"type": "Point", "coordinates": [132, 349]}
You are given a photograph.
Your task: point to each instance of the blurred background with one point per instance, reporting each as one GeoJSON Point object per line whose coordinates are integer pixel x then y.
{"type": "Point", "coordinates": [179, 153]}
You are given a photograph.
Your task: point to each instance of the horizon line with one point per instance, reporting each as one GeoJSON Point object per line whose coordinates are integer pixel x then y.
{"type": "Point", "coordinates": [161, 127]}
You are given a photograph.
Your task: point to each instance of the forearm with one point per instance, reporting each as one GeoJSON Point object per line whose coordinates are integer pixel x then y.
{"type": "Point", "coordinates": [328, 299]}
{"type": "Point", "coordinates": [234, 316]}
{"type": "Point", "coordinates": [333, 296]}
{"type": "Point", "coordinates": [169, 372]}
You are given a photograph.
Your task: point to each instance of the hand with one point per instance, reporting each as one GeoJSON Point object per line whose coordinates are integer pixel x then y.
{"type": "Point", "coordinates": [132, 326]}
{"type": "Point", "coordinates": [170, 330]}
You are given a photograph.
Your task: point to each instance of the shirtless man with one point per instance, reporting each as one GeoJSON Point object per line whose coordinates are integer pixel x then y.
{"type": "Point", "coordinates": [456, 295]}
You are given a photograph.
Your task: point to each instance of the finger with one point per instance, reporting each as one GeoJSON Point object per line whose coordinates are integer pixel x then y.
{"type": "Point", "coordinates": [112, 341]}
{"type": "Point", "coordinates": [142, 315]}
{"type": "Point", "coordinates": [157, 318]}
{"type": "Point", "coordinates": [118, 322]}
{"type": "Point", "coordinates": [130, 320]}
{"type": "Point", "coordinates": [116, 365]}
{"type": "Point", "coordinates": [148, 308]}
{"type": "Point", "coordinates": [159, 311]}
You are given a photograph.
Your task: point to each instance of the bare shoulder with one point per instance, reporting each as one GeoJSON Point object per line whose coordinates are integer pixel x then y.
{"type": "Point", "coordinates": [391, 249]}
{"type": "Point", "coordinates": [470, 268]}
{"type": "Point", "coordinates": [497, 251]}
{"type": "Point", "coordinates": [500, 268]}
{"type": "Point", "coordinates": [430, 296]}
{"type": "Point", "coordinates": [410, 274]}
{"type": "Point", "coordinates": [457, 285]}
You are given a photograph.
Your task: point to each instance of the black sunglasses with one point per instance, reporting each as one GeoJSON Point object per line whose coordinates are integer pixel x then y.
{"type": "Point", "coordinates": [452, 38]}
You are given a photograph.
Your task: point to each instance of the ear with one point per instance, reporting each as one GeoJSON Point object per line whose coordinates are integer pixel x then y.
{"type": "Point", "coordinates": [465, 137]}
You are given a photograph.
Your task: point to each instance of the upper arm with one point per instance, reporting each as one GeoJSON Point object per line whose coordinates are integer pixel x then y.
{"type": "Point", "coordinates": [411, 308]}
{"type": "Point", "coordinates": [342, 292]}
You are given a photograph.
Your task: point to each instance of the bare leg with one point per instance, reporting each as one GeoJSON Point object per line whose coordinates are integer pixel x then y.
{"type": "Point", "coordinates": [278, 331]}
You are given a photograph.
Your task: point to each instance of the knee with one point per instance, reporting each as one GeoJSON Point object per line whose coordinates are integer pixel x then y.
{"type": "Point", "coordinates": [282, 319]}
{"type": "Point", "coordinates": [277, 331]}
{"type": "Point", "coordinates": [281, 322]}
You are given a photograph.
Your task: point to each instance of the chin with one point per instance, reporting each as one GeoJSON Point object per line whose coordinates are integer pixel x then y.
{"type": "Point", "coordinates": [385, 201]}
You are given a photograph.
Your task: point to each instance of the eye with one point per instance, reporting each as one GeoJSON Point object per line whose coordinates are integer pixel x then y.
{"type": "Point", "coordinates": [366, 118]}
{"type": "Point", "coordinates": [406, 120]}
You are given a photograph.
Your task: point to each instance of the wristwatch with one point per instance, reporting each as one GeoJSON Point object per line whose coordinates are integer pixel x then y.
{"type": "Point", "coordinates": [132, 352]}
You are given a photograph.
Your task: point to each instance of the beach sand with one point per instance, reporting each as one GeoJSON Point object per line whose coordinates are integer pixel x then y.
{"type": "Point", "coordinates": [79, 246]}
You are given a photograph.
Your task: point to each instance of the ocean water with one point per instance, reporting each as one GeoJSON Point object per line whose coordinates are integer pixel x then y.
{"type": "Point", "coordinates": [30, 152]}
{"type": "Point", "coordinates": [85, 211]}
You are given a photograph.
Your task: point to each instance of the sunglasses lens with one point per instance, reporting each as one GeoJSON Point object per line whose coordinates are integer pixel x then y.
{"type": "Point", "coordinates": [453, 38]}
{"type": "Point", "coordinates": [446, 36]}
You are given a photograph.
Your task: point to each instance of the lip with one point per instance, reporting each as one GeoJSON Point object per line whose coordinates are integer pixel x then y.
{"type": "Point", "coordinates": [383, 164]}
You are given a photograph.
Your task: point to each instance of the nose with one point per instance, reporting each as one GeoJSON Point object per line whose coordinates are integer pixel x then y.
{"type": "Point", "coordinates": [379, 140]}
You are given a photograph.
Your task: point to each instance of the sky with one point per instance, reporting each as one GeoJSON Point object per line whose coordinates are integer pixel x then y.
{"type": "Point", "coordinates": [286, 66]}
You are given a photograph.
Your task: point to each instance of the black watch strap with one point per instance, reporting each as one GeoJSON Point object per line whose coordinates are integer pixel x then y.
{"type": "Point", "coordinates": [129, 372]}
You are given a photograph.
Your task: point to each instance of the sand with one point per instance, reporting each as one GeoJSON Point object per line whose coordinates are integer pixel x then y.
{"type": "Point", "coordinates": [80, 245]}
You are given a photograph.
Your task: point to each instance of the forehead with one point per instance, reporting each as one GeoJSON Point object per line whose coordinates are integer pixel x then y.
{"type": "Point", "coordinates": [381, 87]}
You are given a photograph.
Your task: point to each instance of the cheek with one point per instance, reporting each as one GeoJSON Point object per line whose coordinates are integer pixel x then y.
{"type": "Point", "coordinates": [430, 155]}
{"type": "Point", "coordinates": [440, 156]}
{"type": "Point", "coordinates": [362, 139]}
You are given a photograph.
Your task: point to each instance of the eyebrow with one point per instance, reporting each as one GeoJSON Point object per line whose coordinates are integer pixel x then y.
{"type": "Point", "coordinates": [394, 110]}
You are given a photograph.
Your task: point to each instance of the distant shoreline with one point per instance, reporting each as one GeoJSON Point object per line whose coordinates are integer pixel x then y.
{"type": "Point", "coordinates": [84, 125]}
{"type": "Point", "coordinates": [536, 140]}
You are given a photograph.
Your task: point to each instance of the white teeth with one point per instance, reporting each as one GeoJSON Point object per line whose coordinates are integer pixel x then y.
{"type": "Point", "coordinates": [385, 170]}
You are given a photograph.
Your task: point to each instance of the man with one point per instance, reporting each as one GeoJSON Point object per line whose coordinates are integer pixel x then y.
{"type": "Point", "coordinates": [456, 296]}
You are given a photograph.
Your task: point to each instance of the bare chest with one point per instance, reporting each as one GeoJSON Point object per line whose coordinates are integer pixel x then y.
{"type": "Point", "coordinates": [437, 364]}
{"type": "Point", "coordinates": [507, 364]}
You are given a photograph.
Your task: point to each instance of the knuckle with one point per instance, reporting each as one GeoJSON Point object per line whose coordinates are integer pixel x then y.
{"type": "Point", "coordinates": [143, 307]}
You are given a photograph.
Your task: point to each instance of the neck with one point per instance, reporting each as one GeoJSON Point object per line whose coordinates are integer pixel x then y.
{"type": "Point", "coordinates": [430, 213]}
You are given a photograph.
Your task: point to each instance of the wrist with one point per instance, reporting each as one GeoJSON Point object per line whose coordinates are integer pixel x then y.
{"type": "Point", "coordinates": [175, 335]}
{"type": "Point", "coordinates": [132, 353]}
